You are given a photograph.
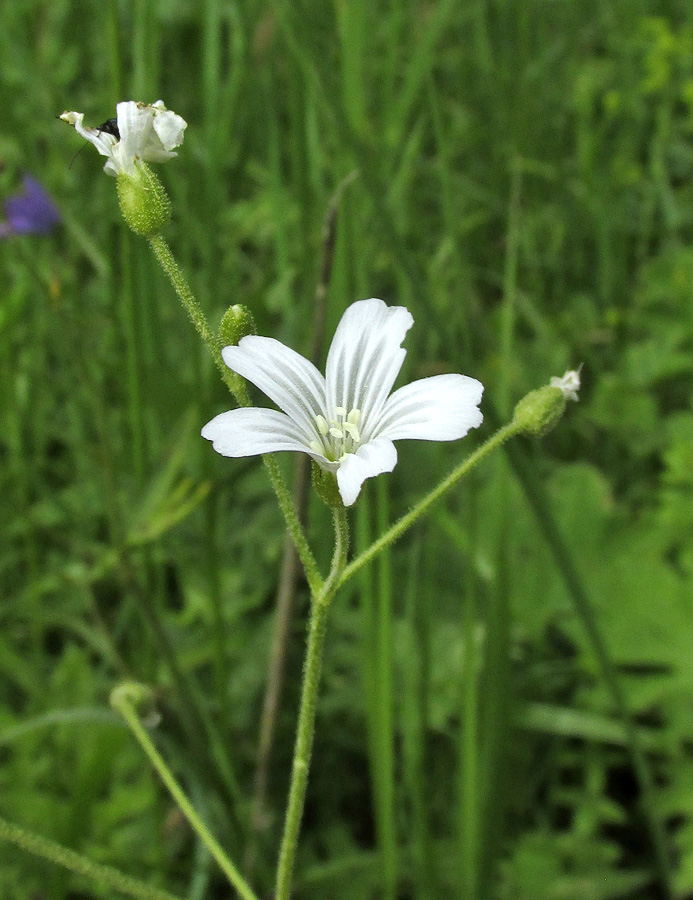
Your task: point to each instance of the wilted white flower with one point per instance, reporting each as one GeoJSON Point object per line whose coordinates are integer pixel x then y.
{"type": "Point", "coordinates": [141, 133]}
{"type": "Point", "coordinates": [569, 384]}
{"type": "Point", "coordinates": [346, 421]}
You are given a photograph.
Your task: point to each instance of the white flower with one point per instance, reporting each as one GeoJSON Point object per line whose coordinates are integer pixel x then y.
{"type": "Point", "coordinates": [569, 384]}
{"type": "Point", "coordinates": [347, 420]}
{"type": "Point", "coordinates": [140, 133]}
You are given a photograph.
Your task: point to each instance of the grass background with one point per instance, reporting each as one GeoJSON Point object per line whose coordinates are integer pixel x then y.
{"type": "Point", "coordinates": [524, 186]}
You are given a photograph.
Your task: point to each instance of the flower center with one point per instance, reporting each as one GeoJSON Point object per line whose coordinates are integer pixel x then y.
{"type": "Point", "coordinates": [338, 437]}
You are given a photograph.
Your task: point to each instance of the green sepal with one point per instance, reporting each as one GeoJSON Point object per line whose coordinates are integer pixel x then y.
{"type": "Point", "coordinates": [325, 484]}
{"type": "Point", "coordinates": [144, 202]}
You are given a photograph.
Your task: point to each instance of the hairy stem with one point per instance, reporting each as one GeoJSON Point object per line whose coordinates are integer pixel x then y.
{"type": "Point", "coordinates": [179, 282]}
{"type": "Point", "coordinates": [124, 700]}
{"type": "Point", "coordinates": [397, 530]}
{"type": "Point", "coordinates": [80, 865]}
{"type": "Point", "coordinates": [306, 718]}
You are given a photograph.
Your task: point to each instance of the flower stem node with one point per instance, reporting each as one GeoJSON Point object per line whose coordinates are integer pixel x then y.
{"type": "Point", "coordinates": [236, 323]}
{"type": "Point", "coordinates": [540, 410]}
{"type": "Point", "coordinates": [143, 200]}
{"type": "Point", "coordinates": [326, 486]}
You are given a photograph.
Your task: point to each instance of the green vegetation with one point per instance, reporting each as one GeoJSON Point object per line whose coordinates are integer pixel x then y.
{"type": "Point", "coordinates": [506, 710]}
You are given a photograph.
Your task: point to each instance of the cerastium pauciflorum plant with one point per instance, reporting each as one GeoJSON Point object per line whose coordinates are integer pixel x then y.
{"type": "Point", "coordinates": [347, 422]}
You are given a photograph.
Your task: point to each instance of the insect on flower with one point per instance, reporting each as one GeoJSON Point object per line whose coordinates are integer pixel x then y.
{"type": "Point", "coordinates": [140, 133]}
{"type": "Point", "coordinates": [110, 126]}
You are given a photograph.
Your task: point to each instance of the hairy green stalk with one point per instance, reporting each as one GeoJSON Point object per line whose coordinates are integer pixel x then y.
{"type": "Point", "coordinates": [397, 530]}
{"type": "Point", "coordinates": [124, 699]}
{"type": "Point", "coordinates": [80, 865]}
{"type": "Point", "coordinates": [306, 719]}
{"type": "Point", "coordinates": [175, 275]}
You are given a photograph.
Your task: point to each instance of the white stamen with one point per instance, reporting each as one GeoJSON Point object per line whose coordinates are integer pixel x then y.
{"type": "Point", "coordinates": [316, 448]}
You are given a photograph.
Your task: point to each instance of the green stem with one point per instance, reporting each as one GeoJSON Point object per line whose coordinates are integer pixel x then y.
{"type": "Point", "coordinates": [306, 718]}
{"type": "Point", "coordinates": [124, 699]}
{"type": "Point", "coordinates": [383, 645]}
{"type": "Point", "coordinates": [80, 865]}
{"type": "Point", "coordinates": [168, 263]}
{"type": "Point", "coordinates": [397, 530]}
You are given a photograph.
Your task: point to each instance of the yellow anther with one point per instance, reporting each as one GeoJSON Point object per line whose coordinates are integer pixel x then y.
{"type": "Point", "coordinates": [353, 431]}
{"type": "Point", "coordinates": [322, 425]}
{"type": "Point", "coordinates": [316, 448]}
{"type": "Point", "coordinates": [354, 417]}
{"type": "Point", "coordinates": [337, 432]}
{"type": "Point", "coordinates": [340, 411]}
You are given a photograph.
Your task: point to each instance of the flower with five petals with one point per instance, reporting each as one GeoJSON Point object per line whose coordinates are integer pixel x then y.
{"type": "Point", "coordinates": [346, 421]}
{"type": "Point", "coordinates": [141, 133]}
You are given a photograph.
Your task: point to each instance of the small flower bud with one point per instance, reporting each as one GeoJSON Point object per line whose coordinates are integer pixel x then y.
{"type": "Point", "coordinates": [138, 697]}
{"type": "Point", "coordinates": [540, 410]}
{"type": "Point", "coordinates": [143, 200]}
{"type": "Point", "coordinates": [236, 323]}
{"type": "Point", "coordinates": [325, 483]}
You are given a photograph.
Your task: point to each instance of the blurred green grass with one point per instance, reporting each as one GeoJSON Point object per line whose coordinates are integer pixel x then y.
{"type": "Point", "coordinates": [524, 187]}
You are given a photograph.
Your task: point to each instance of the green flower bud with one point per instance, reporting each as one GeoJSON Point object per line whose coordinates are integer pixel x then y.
{"type": "Point", "coordinates": [325, 483]}
{"type": "Point", "coordinates": [540, 410]}
{"type": "Point", "coordinates": [237, 322]}
{"type": "Point", "coordinates": [138, 697]}
{"type": "Point", "coordinates": [143, 200]}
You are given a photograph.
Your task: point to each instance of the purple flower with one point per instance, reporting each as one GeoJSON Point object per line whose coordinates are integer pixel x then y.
{"type": "Point", "coordinates": [31, 212]}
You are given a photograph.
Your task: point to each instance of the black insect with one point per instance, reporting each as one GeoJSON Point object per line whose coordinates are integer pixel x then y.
{"type": "Point", "coordinates": [110, 126]}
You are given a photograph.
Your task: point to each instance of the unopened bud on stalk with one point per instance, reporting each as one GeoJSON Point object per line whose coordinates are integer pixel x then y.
{"type": "Point", "coordinates": [140, 698]}
{"type": "Point", "coordinates": [540, 410]}
{"type": "Point", "coordinates": [236, 323]}
{"type": "Point", "coordinates": [143, 200]}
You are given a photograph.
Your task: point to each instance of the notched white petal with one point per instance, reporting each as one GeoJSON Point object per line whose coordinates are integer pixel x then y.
{"type": "Point", "coordinates": [250, 432]}
{"type": "Point", "coordinates": [169, 127]}
{"type": "Point", "coordinates": [288, 379]}
{"type": "Point", "coordinates": [365, 358]}
{"type": "Point", "coordinates": [103, 141]}
{"type": "Point", "coordinates": [373, 458]}
{"type": "Point", "coordinates": [440, 408]}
